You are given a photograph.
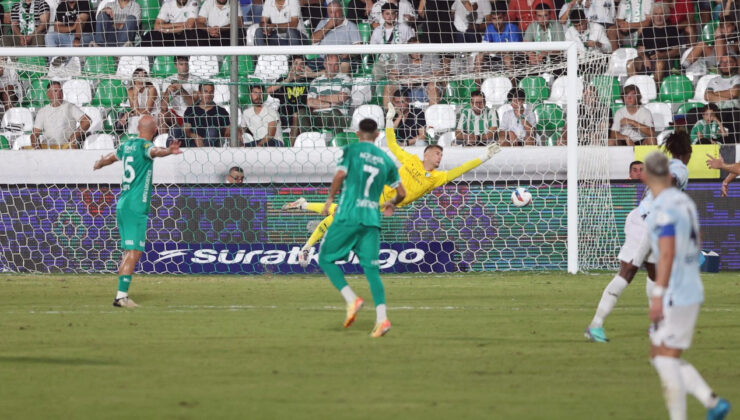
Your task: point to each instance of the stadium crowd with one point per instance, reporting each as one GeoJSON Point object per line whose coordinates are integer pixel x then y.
{"type": "Point", "coordinates": [679, 59]}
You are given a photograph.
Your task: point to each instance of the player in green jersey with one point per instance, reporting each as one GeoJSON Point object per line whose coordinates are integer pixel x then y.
{"type": "Point", "coordinates": [134, 202]}
{"type": "Point", "coordinates": [362, 172]}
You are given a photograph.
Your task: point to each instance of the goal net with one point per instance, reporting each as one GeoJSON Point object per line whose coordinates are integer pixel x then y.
{"type": "Point", "coordinates": [217, 208]}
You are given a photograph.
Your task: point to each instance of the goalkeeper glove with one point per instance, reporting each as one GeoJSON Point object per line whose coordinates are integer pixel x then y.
{"type": "Point", "coordinates": [491, 150]}
{"type": "Point", "coordinates": [390, 115]}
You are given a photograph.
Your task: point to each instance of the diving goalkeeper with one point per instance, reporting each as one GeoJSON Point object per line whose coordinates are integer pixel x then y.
{"type": "Point", "coordinates": [419, 177]}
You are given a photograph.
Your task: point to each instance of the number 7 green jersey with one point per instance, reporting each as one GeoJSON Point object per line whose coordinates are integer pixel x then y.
{"type": "Point", "coordinates": [368, 170]}
{"type": "Point", "coordinates": [136, 185]}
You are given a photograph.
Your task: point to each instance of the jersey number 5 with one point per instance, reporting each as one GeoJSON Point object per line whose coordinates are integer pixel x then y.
{"type": "Point", "coordinates": [373, 171]}
{"type": "Point", "coordinates": [128, 171]}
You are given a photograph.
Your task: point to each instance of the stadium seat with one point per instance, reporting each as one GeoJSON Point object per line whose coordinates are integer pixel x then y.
{"type": "Point", "coordinates": [4, 143]}
{"type": "Point", "coordinates": [344, 138]}
{"type": "Point", "coordinates": [161, 140]}
{"type": "Point", "coordinates": [365, 31]}
{"type": "Point", "coordinates": [203, 66]}
{"type": "Point", "coordinates": [707, 32]}
{"type": "Point", "coordinates": [549, 118]}
{"type": "Point", "coordinates": [440, 119]}
{"type": "Point", "coordinates": [31, 67]}
{"type": "Point", "coordinates": [495, 90]}
{"type": "Point", "coordinates": [311, 139]}
{"type": "Point", "coordinates": [618, 61]}
{"type": "Point", "coordinates": [362, 90]}
{"type": "Point", "coordinates": [646, 84]}
{"type": "Point", "coordinates": [676, 88]}
{"type": "Point", "coordinates": [607, 88]}
{"type": "Point", "coordinates": [458, 91]}
{"type": "Point", "coordinates": [662, 115]}
{"type": "Point", "coordinates": [99, 142]}
{"type": "Point", "coordinates": [36, 94]}
{"type": "Point", "coordinates": [18, 120]}
{"type": "Point", "coordinates": [701, 87]}
{"type": "Point", "coordinates": [77, 92]}
{"type": "Point", "coordinates": [109, 93]}
{"type": "Point", "coordinates": [660, 139]}
{"type": "Point", "coordinates": [245, 66]}
{"type": "Point", "coordinates": [22, 141]}
{"type": "Point", "coordinates": [96, 118]}
{"type": "Point", "coordinates": [127, 65]}
{"type": "Point", "coordinates": [270, 67]}
{"type": "Point", "coordinates": [251, 33]}
{"type": "Point", "coordinates": [149, 12]}
{"type": "Point", "coordinates": [163, 66]}
{"type": "Point", "coordinates": [559, 91]}
{"type": "Point", "coordinates": [222, 92]}
{"type": "Point", "coordinates": [535, 87]}
{"type": "Point", "coordinates": [99, 65]}
{"type": "Point", "coordinates": [374, 112]}
{"type": "Point", "coordinates": [687, 107]}
{"type": "Point", "coordinates": [500, 111]}
{"type": "Point", "coordinates": [446, 139]}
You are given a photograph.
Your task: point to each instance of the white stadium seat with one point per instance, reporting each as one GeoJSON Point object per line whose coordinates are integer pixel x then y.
{"type": "Point", "coordinates": [646, 84]}
{"type": "Point", "coordinates": [96, 118]}
{"type": "Point", "coordinates": [373, 112]}
{"type": "Point", "coordinates": [127, 65]}
{"type": "Point", "coordinates": [362, 91]}
{"type": "Point", "coordinates": [559, 91]}
{"type": "Point", "coordinates": [701, 87]}
{"type": "Point", "coordinates": [440, 119]}
{"type": "Point", "coordinates": [251, 33]}
{"type": "Point", "coordinates": [269, 68]}
{"type": "Point", "coordinates": [77, 92]}
{"type": "Point", "coordinates": [21, 141]}
{"type": "Point", "coordinates": [161, 140]}
{"type": "Point", "coordinates": [311, 139]}
{"type": "Point", "coordinates": [495, 90]}
{"type": "Point", "coordinates": [17, 119]}
{"type": "Point", "coordinates": [100, 142]}
{"type": "Point", "coordinates": [446, 139]}
{"type": "Point", "coordinates": [203, 66]}
{"type": "Point", "coordinates": [662, 114]}
{"type": "Point", "coordinates": [662, 136]}
{"type": "Point", "coordinates": [618, 61]}
{"type": "Point", "coordinates": [222, 93]}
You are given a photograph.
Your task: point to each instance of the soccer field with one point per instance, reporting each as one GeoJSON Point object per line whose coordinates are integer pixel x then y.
{"type": "Point", "coordinates": [503, 346]}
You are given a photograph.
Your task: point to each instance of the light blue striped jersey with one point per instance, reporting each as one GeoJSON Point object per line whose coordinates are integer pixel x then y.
{"type": "Point", "coordinates": [674, 214]}
{"type": "Point", "coordinates": [680, 174]}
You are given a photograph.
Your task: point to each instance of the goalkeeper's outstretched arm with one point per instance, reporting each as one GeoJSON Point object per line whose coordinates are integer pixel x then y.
{"type": "Point", "coordinates": [491, 150]}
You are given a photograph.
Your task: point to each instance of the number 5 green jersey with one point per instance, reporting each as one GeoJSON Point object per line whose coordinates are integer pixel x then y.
{"type": "Point", "coordinates": [136, 186]}
{"type": "Point", "coordinates": [368, 170]}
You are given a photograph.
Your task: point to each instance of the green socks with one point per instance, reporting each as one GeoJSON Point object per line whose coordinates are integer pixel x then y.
{"type": "Point", "coordinates": [335, 274]}
{"type": "Point", "coordinates": [124, 282]}
{"type": "Point", "coordinates": [376, 285]}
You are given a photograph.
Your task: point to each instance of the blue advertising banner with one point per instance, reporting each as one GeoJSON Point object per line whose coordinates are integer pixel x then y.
{"type": "Point", "coordinates": [283, 259]}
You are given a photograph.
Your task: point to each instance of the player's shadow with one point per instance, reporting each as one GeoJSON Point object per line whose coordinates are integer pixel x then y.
{"type": "Point", "coordinates": [55, 361]}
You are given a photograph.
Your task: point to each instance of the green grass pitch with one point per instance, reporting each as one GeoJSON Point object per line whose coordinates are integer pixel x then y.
{"type": "Point", "coordinates": [489, 346]}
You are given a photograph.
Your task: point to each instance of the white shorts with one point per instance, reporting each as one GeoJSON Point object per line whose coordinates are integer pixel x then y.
{"type": "Point", "coordinates": [676, 329]}
{"type": "Point", "coordinates": [636, 248]}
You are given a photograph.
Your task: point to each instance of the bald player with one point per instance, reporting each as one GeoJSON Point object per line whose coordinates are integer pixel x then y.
{"type": "Point", "coordinates": [419, 177]}
{"type": "Point", "coordinates": [134, 202]}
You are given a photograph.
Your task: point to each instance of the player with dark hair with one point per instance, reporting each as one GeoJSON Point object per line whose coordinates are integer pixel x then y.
{"type": "Point", "coordinates": [419, 176]}
{"type": "Point", "coordinates": [362, 173]}
{"type": "Point", "coordinates": [134, 202]}
{"type": "Point", "coordinates": [636, 248]}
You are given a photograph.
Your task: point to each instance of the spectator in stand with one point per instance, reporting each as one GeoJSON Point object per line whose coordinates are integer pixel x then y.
{"type": "Point", "coordinates": [313, 10]}
{"type": "Point", "coordinates": [409, 123]}
{"type": "Point", "coordinates": [63, 125]}
{"type": "Point", "coordinates": [261, 122]}
{"type": "Point", "coordinates": [703, 55]}
{"type": "Point", "coordinates": [591, 36]}
{"type": "Point", "coordinates": [406, 12]}
{"type": "Point", "coordinates": [523, 11]}
{"type": "Point", "coordinates": [415, 75]}
{"type": "Point", "coordinates": [633, 124]}
{"type": "Point", "coordinates": [29, 21]}
{"type": "Point", "coordinates": [603, 13]}
{"type": "Point", "coordinates": [179, 94]}
{"type": "Point", "coordinates": [10, 86]}
{"type": "Point", "coordinates": [359, 10]}
{"type": "Point", "coordinates": [498, 30]}
{"type": "Point", "coordinates": [726, 37]}
{"type": "Point", "coordinates": [437, 21]}
{"type": "Point", "coordinates": [143, 99]}
{"type": "Point", "coordinates": [709, 129]}
{"type": "Point", "coordinates": [235, 175]}
{"type": "Point", "coordinates": [174, 26]}
{"type": "Point", "coordinates": [292, 92]}
{"type": "Point", "coordinates": [635, 173]}
{"type": "Point", "coordinates": [680, 13]}
{"type": "Point", "coordinates": [391, 32]}
{"type": "Point", "coordinates": [516, 127]}
{"type": "Point", "coordinates": [477, 124]}
{"type": "Point", "coordinates": [724, 91]}
{"type": "Point", "coordinates": [335, 30]}
{"type": "Point", "coordinates": [214, 22]}
{"type": "Point", "coordinates": [281, 24]}
{"type": "Point", "coordinates": [470, 17]}
{"type": "Point", "coordinates": [632, 17]}
{"type": "Point", "coordinates": [328, 98]}
{"type": "Point", "coordinates": [206, 124]}
{"type": "Point", "coordinates": [72, 27]}
{"type": "Point", "coordinates": [543, 30]}
{"type": "Point", "coordinates": [117, 23]}
{"type": "Point", "coordinates": [658, 46]}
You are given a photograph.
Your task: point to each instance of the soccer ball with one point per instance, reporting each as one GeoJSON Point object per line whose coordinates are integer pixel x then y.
{"type": "Point", "coordinates": [520, 197]}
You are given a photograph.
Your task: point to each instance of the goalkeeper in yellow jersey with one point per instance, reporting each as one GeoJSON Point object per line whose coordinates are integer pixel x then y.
{"type": "Point", "coordinates": [419, 177]}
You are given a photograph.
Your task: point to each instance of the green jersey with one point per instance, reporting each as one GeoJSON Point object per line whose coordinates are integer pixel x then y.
{"type": "Point", "coordinates": [707, 130]}
{"type": "Point", "coordinates": [368, 170]}
{"type": "Point", "coordinates": [136, 186]}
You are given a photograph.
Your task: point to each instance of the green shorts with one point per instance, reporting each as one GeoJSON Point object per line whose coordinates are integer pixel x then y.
{"type": "Point", "coordinates": [132, 228]}
{"type": "Point", "coordinates": [341, 238]}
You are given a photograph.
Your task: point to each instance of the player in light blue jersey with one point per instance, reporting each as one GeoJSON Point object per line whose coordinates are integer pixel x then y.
{"type": "Point", "coordinates": [678, 293]}
{"type": "Point", "coordinates": [636, 248]}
